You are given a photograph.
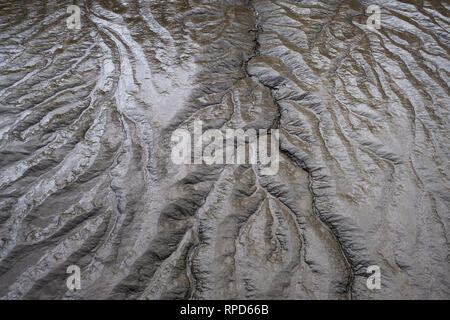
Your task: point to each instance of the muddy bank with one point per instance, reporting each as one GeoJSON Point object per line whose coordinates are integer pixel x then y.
{"type": "Point", "coordinates": [86, 177]}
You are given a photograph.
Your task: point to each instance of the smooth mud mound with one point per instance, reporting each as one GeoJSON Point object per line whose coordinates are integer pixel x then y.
{"type": "Point", "coordinates": [87, 176]}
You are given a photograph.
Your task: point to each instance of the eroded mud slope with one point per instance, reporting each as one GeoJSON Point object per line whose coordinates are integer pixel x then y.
{"type": "Point", "coordinates": [86, 176]}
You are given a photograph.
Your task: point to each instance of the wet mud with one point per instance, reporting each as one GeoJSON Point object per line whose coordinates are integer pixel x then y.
{"type": "Point", "coordinates": [86, 177]}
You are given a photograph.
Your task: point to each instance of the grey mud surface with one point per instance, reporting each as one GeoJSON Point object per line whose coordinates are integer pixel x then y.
{"type": "Point", "coordinates": [86, 176]}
